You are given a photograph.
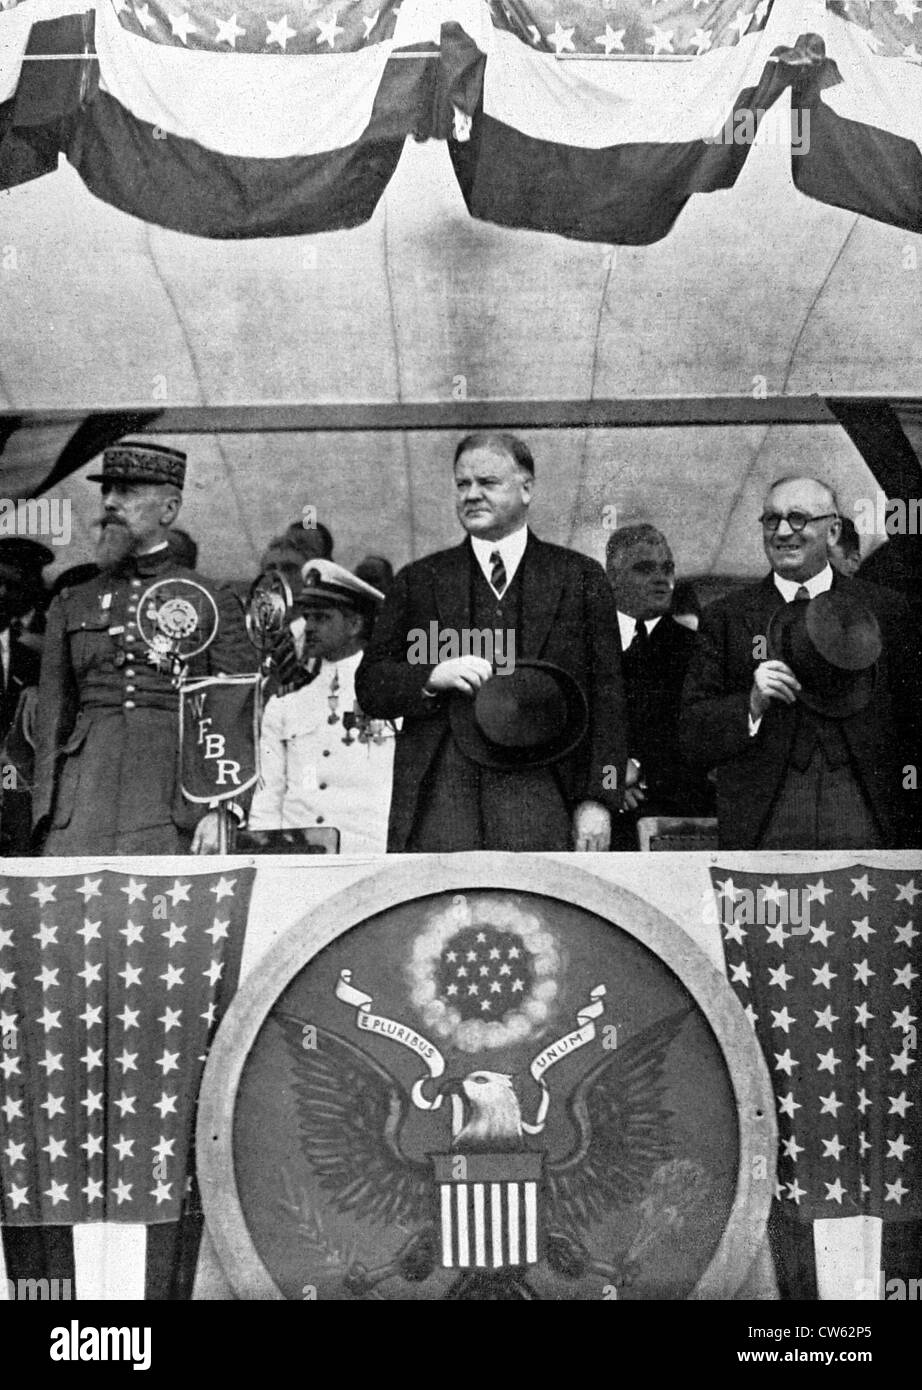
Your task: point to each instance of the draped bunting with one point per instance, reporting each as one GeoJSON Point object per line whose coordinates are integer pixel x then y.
{"type": "Point", "coordinates": [865, 113]}
{"type": "Point", "coordinates": [265, 119]}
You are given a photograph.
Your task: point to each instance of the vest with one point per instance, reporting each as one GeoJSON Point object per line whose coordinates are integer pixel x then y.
{"type": "Point", "coordinates": [814, 731]}
{"type": "Point", "coordinates": [488, 611]}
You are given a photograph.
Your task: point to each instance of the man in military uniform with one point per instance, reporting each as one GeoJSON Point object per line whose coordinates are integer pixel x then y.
{"type": "Point", "coordinates": [322, 763]}
{"type": "Point", "coordinates": [106, 738]}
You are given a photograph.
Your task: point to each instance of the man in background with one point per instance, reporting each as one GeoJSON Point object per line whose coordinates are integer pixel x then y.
{"type": "Point", "coordinates": [656, 655]}
{"type": "Point", "coordinates": [845, 550]}
{"type": "Point", "coordinates": [322, 763]}
{"type": "Point", "coordinates": [22, 593]}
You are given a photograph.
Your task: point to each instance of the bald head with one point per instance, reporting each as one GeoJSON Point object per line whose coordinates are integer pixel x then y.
{"type": "Point", "coordinates": [797, 549]}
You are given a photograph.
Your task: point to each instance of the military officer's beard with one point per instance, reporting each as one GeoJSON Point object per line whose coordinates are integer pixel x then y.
{"type": "Point", "coordinates": [114, 542]}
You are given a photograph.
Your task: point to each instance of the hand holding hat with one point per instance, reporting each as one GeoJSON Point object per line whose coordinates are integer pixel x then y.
{"type": "Point", "coordinates": [532, 716]}
{"type": "Point", "coordinates": [772, 680]}
{"type": "Point", "coordinates": [829, 649]}
{"type": "Point", "coordinates": [463, 673]}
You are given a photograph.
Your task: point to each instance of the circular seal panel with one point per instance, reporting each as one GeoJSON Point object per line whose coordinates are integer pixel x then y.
{"type": "Point", "coordinates": [499, 1079]}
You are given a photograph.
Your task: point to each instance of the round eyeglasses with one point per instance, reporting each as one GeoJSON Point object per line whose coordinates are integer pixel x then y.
{"type": "Point", "coordinates": [770, 521]}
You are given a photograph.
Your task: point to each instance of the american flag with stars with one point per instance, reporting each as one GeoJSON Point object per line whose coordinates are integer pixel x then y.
{"type": "Point", "coordinates": [827, 967]}
{"type": "Point", "coordinates": [893, 27]}
{"type": "Point", "coordinates": [653, 28]}
{"type": "Point", "coordinates": [311, 27]}
{"type": "Point", "coordinates": [112, 985]}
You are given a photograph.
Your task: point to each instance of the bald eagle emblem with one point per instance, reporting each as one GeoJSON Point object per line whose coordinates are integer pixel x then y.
{"type": "Point", "coordinates": [491, 1198]}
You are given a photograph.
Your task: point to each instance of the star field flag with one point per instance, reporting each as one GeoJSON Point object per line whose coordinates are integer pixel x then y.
{"type": "Point", "coordinates": [111, 988]}
{"type": "Point", "coordinates": [828, 969]}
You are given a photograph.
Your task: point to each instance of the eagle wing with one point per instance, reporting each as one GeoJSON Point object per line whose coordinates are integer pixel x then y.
{"type": "Point", "coordinates": [351, 1112]}
{"type": "Point", "coordinates": [621, 1126]}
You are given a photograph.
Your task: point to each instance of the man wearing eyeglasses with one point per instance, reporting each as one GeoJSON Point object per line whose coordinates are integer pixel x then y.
{"type": "Point", "coordinates": [787, 776]}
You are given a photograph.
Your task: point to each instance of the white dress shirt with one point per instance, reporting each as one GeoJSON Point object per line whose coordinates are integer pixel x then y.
{"type": "Point", "coordinates": [820, 584]}
{"type": "Point", "coordinates": [5, 655]}
{"type": "Point", "coordinates": [511, 548]}
{"type": "Point", "coordinates": [310, 777]}
{"type": "Point", "coordinates": [627, 626]}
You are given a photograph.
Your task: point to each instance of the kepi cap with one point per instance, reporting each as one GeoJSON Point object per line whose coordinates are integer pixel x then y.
{"type": "Point", "coordinates": [140, 461]}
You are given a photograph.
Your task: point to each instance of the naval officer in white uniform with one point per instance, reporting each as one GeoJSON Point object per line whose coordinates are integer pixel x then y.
{"type": "Point", "coordinates": [322, 762]}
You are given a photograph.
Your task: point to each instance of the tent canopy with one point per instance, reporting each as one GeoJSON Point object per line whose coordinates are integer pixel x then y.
{"type": "Point", "coordinates": [757, 292]}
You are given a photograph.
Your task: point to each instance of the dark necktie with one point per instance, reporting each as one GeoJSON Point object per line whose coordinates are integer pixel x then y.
{"type": "Point", "coordinates": [802, 595]}
{"type": "Point", "coordinates": [640, 644]}
{"type": "Point", "coordinates": [497, 573]}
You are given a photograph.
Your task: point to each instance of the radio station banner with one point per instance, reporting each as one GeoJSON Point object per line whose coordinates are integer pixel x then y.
{"type": "Point", "coordinates": [218, 737]}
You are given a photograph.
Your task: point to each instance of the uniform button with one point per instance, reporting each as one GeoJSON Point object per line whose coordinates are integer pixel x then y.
{"type": "Point", "coordinates": [129, 671]}
{"type": "Point", "coordinates": [130, 689]}
{"type": "Point", "coordinates": [135, 583]}
{"type": "Point", "coordinates": [326, 752]}
{"type": "Point", "coordinates": [129, 704]}
{"type": "Point", "coordinates": [323, 786]}
{"type": "Point", "coordinates": [320, 820]}
{"type": "Point", "coordinates": [129, 636]}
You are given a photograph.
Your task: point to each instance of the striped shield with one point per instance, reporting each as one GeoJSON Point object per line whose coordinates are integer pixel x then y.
{"type": "Point", "coordinates": [489, 1209]}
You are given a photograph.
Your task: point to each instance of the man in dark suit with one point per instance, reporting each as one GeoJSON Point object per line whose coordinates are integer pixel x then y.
{"type": "Point", "coordinates": [21, 592]}
{"type": "Point", "coordinates": [657, 651]}
{"type": "Point", "coordinates": [542, 602]}
{"type": "Point", "coordinates": [787, 776]}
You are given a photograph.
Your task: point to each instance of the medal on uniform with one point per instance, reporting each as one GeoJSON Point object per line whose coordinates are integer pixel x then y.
{"type": "Point", "coordinates": [333, 699]}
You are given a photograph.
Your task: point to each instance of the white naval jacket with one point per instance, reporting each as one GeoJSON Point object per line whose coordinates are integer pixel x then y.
{"type": "Point", "coordinates": [317, 773]}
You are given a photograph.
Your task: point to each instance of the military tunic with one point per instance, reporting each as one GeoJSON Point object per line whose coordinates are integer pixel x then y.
{"type": "Point", "coordinates": [106, 754]}
{"type": "Point", "coordinates": [321, 764]}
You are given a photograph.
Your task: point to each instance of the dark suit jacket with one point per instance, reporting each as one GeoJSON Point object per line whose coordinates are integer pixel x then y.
{"type": "Point", "coordinates": [16, 802]}
{"type": "Point", "coordinates": [654, 693]}
{"type": "Point", "coordinates": [883, 738]}
{"type": "Point", "coordinates": [24, 668]}
{"type": "Point", "coordinates": [567, 616]}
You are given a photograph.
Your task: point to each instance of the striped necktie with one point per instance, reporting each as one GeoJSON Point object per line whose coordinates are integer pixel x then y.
{"type": "Point", "coordinates": [497, 573]}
